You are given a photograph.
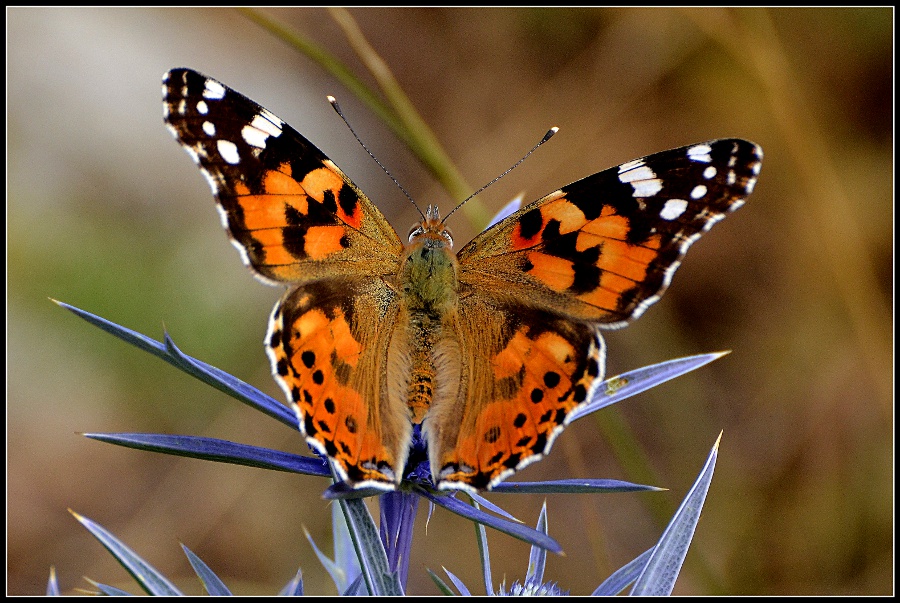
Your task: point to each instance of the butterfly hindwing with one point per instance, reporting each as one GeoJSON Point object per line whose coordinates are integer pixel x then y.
{"type": "Point", "coordinates": [329, 355]}
{"type": "Point", "coordinates": [524, 371]}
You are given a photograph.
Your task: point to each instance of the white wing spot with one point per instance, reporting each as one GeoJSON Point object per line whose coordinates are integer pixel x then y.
{"type": "Point", "coordinates": [639, 172]}
{"type": "Point", "coordinates": [641, 178]}
{"type": "Point", "coordinates": [673, 209]}
{"type": "Point", "coordinates": [630, 165]}
{"type": "Point", "coordinates": [229, 151]}
{"type": "Point", "coordinates": [213, 90]}
{"type": "Point", "coordinates": [698, 192]}
{"type": "Point", "coordinates": [731, 177]}
{"type": "Point", "coordinates": [254, 137]}
{"type": "Point", "coordinates": [182, 107]}
{"type": "Point", "coordinates": [756, 167]}
{"type": "Point", "coordinates": [273, 126]}
{"type": "Point", "coordinates": [751, 182]}
{"type": "Point", "coordinates": [700, 152]}
{"type": "Point", "coordinates": [202, 107]}
{"type": "Point", "coordinates": [709, 172]}
{"type": "Point", "coordinates": [732, 161]}
{"type": "Point", "coordinates": [209, 128]}
{"type": "Point", "coordinates": [646, 188]}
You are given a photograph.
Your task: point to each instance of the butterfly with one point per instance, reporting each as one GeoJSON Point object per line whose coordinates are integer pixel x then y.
{"type": "Point", "coordinates": [489, 349]}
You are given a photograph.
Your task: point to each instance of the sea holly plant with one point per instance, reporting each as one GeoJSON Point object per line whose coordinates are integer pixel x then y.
{"type": "Point", "coordinates": [372, 559]}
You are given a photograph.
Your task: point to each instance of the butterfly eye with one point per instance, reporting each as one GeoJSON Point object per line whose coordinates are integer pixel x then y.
{"type": "Point", "coordinates": [415, 231]}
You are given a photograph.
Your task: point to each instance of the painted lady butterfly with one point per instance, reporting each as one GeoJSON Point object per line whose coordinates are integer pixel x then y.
{"type": "Point", "coordinates": [490, 349]}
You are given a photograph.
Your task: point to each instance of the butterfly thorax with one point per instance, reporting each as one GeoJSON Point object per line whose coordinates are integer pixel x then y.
{"type": "Point", "coordinates": [428, 269]}
{"type": "Point", "coordinates": [428, 288]}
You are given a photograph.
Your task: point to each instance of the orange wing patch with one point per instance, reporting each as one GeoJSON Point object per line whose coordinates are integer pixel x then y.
{"type": "Point", "coordinates": [290, 218]}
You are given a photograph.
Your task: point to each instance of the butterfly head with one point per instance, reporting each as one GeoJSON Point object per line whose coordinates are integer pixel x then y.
{"type": "Point", "coordinates": [431, 232]}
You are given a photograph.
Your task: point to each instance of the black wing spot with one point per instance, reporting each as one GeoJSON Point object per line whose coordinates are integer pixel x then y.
{"type": "Point", "coordinates": [310, 427]}
{"type": "Point", "coordinates": [329, 202]}
{"type": "Point", "coordinates": [551, 379]}
{"type": "Point", "coordinates": [530, 223]}
{"type": "Point", "coordinates": [330, 449]}
{"type": "Point", "coordinates": [513, 461]}
{"type": "Point", "coordinates": [551, 230]}
{"type": "Point", "coordinates": [580, 393]}
{"type": "Point", "coordinates": [348, 200]}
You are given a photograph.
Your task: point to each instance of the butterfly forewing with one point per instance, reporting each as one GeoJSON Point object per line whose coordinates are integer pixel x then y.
{"type": "Point", "coordinates": [291, 212]}
{"type": "Point", "coordinates": [604, 248]}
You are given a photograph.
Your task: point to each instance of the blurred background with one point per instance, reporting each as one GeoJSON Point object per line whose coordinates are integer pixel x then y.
{"type": "Point", "coordinates": [107, 213]}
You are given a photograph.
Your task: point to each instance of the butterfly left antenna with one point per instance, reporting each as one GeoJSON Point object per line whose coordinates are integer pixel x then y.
{"type": "Point", "coordinates": [546, 137]}
{"type": "Point", "coordinates": [337, 108]}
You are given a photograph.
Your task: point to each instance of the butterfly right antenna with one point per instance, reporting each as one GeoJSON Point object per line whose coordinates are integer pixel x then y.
{"type": "Point", "coordinates": [546, 137]}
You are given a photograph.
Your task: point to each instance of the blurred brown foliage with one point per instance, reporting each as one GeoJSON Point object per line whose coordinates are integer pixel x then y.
{"type": "Point", "coordinates": [107, 213]}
